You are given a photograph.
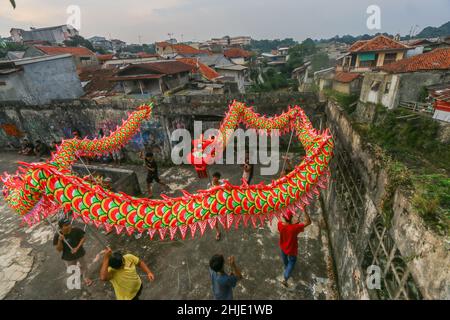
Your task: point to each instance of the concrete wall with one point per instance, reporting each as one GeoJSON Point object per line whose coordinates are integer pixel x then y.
{"type": "Point", "coordinates": [402, 87]}
{"type": "Point", "coordinates": [42, 82]}
{"type": "Point", "coordinates": [57, 121]}
{"type": "Point", "coordinates": [423, 253]}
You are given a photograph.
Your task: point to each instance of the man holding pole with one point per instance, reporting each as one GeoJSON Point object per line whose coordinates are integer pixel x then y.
{"type": "Point", "coordinates": [69, 240]}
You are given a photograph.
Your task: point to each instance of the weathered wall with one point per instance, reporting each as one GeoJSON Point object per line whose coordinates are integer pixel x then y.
{"type": "Point", "coordinates": [57, 121]}
{"type": "Point", "coordinates": [43, 82]}
{"type": "Point", "coordinates": [413, 260]}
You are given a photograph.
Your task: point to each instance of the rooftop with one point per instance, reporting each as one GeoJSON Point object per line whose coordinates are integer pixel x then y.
{"type": "Point", "coordinates": [181, 48]}
{"type": "Point", "coordinates": [234, 67]}
{"type": "Point", "coordinates": [76, 51]}
{"type": "Point", "coordinates": [379, 43]}
{"type": "Point", "coordinates": [237, 53]}
{"type": "Point", "coordinates": [206, 71]}
{"type": "Point", "coordinates": [438, 59]}
{"type": "Point", "coordinates": [346, 77]}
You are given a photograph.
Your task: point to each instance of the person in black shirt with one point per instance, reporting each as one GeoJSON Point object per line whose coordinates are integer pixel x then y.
{"type": "Point", "coordinates": [152, 174]}
{"type": "Point", "coordinates": [73, 237]}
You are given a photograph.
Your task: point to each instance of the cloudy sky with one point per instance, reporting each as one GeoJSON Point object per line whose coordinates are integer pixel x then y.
{"type": "Point", "coordinates": [152, 20]}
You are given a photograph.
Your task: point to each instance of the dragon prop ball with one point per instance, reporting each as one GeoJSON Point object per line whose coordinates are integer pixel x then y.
{"type": "Point", "coordinates": [38, 190]}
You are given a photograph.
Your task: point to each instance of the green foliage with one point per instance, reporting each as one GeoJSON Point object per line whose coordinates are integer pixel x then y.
{"type": "Point", "coordinates": [413, 143]}
{"type": "Point", "coordinates": [432, 201]}
{"type": "Point", "coordinates": [346, 101]}
{"type": "Point", "coordinates": [13, 3]}
{"type": "Point", "coordinates": [11, 46]}
{"type": "Point", "coordinates": [77, 41]}
{"type": "Point", "coordinates": [423, 94]}
{"type": "Point", "coordinates": [269, 45]}
{"type": "Point", "coordinates": [320, 61]}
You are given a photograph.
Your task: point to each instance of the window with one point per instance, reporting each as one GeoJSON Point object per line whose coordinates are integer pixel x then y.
{"type": "Point", "coordinates": [389, 58]}
{"type": "Point", "coordinates": [387, 87]}
{"type": "Point", "coordinates": [367, 60]}
{"type": "Point", "coordinates": [2, 83]}
{"type": "Point", "coordinates": [375, 86]}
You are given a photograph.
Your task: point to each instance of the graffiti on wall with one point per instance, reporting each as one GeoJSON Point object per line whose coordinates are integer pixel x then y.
{"type": "Point", "coordinates": [11, 130]}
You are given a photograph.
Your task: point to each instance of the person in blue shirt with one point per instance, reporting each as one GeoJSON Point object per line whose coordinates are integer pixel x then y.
{"type": "Point", "coordinates": [223, 283]}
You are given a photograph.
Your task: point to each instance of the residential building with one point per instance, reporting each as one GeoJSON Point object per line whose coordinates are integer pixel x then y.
{"type": "Point", "coordinates": [365, 55]}
{"type": "Point", "coordinates": [301, 74]}
{"type": "Point", "coordinates": [404, 80]}
{"type": "Point", "coordinates": [238, 55]}
{"type": "Point", "coordinates": [118, 62]}
{"type": "Point", "coordinates": [214, 60]}
{"type": "Point", "coordinates": [117, 44]}
{"type": "Point", "coordinates": [101, 43]}
{"type": "Point", "coordinates": [440, 95]}
{"type": "Point", "coordinates": [169, 50]}
{"type": "Point", "coordinates": [347, 82]}
{"type": "Point", "coordinates": [53, 35]}
{"type": "Point", "coordinates": [234, 73]}
{"type": "Point", "coordinates": [203, 72]}
{"type": "Point", "coordinates": [82, 56]}
{"type": "Point", "coordinates": [153, 78]}
{"type": "Point", "coordinates": [231, 41]}
{"type": "Point", "coordinates": [39, 80]}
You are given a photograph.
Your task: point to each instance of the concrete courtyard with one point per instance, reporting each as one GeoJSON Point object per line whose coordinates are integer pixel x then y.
{"type": "Point", "coordinates": [30, 267]}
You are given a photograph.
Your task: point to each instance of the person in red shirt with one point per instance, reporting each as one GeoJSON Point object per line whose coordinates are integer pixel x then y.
{"type": "Point", "coordinates": [289, 230]}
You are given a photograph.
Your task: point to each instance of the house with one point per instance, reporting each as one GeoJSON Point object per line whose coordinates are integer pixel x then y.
{"type": "Point", "coordinates": [170, 50]}
{"type": "Point", "coordinates": [153, 78]}
{"type": "Point", "coordinates": [102, 58]}
{"type": "Point", "coordinates": [301, 74]}
{"type": "Point", "coordinates": [323, 79]}
{"type": "Point", "coordinates": [53, 35]}
{"type": "Point", "coordinates": [101, 43]}
{"type": "Point", "coordinates": [234, 73]}
{"type": "Point", "coordinates": [365, 55]}
{"type": "Point", "coordinates": [82, 56]}
{"type": "Point", "coordinates": [440, 95]}
{"type": "Point", "coordinates": [39, 80]}
{"type": "Point", "coordinates": [214, 60]}
{"type": "Point", "coordinates": [238, 55]}
{"type": "Point", "coordinates": [119, 62]}
{"type": "Point", "coordinates": [347, 82]}
{"type": "Point", "coordinates": [203, 71]}
{"type": "Point", "coordinates": [117, 44]}
{"type": "Point", "coordinates": [231, 41]}
{"type": "Point", "coordinates": [404, 80]}
{"type": "Point", "coordinates": [96, 84]}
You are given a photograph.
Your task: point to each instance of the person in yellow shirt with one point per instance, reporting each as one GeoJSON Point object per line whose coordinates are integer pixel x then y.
{"type": "Point", "coordinates": [120, 270]}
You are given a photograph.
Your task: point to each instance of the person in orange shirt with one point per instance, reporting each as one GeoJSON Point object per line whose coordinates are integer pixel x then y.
{"type": "Point", "coordinates": [289, 230]}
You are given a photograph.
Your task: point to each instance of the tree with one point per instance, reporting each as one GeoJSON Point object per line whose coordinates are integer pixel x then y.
{"type": "Point", "coordinates": [77, 41]}
{"type": "Point", "coordinates": [320, 61]}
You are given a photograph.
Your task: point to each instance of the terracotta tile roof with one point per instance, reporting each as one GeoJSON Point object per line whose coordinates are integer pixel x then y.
{"type": "Point", "coordinates": [76, 51]}
{"type": "Point", "coordinates": [356, 45]}
{"type": "Point", "coordinates": [99, 83]}
{"type": "Point", "coordinates": [181, 48]}
{"type": "Point", "coordinates": [438, 59]}
{"type": "Point", "coordinates": [158, 67]}
{"type": "Point", "coordinates": [237, 53]}
{"type": "Point", "coordinates": [105, 57]}
{"type": "Point", "coordinates": [346, 77]}
{"type": "Point", "coordinates": [379, 43]}
{"type": "Point", "coordinates": [206, 71]}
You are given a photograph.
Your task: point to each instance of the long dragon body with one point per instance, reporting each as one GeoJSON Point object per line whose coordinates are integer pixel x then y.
{"type": "Point", "coordinates": [40, 189]}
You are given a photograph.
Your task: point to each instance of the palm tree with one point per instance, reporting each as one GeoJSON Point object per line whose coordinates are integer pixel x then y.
{"type": "Point", "coordinates": [13, 3]}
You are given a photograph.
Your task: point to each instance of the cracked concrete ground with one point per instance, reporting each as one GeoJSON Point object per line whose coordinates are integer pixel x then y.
{"type": "Point", "coordinates": [30, 267]}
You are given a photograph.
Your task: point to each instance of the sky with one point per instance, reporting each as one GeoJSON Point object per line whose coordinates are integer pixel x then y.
{"type": "Point", "coordinates": [147, 21]}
